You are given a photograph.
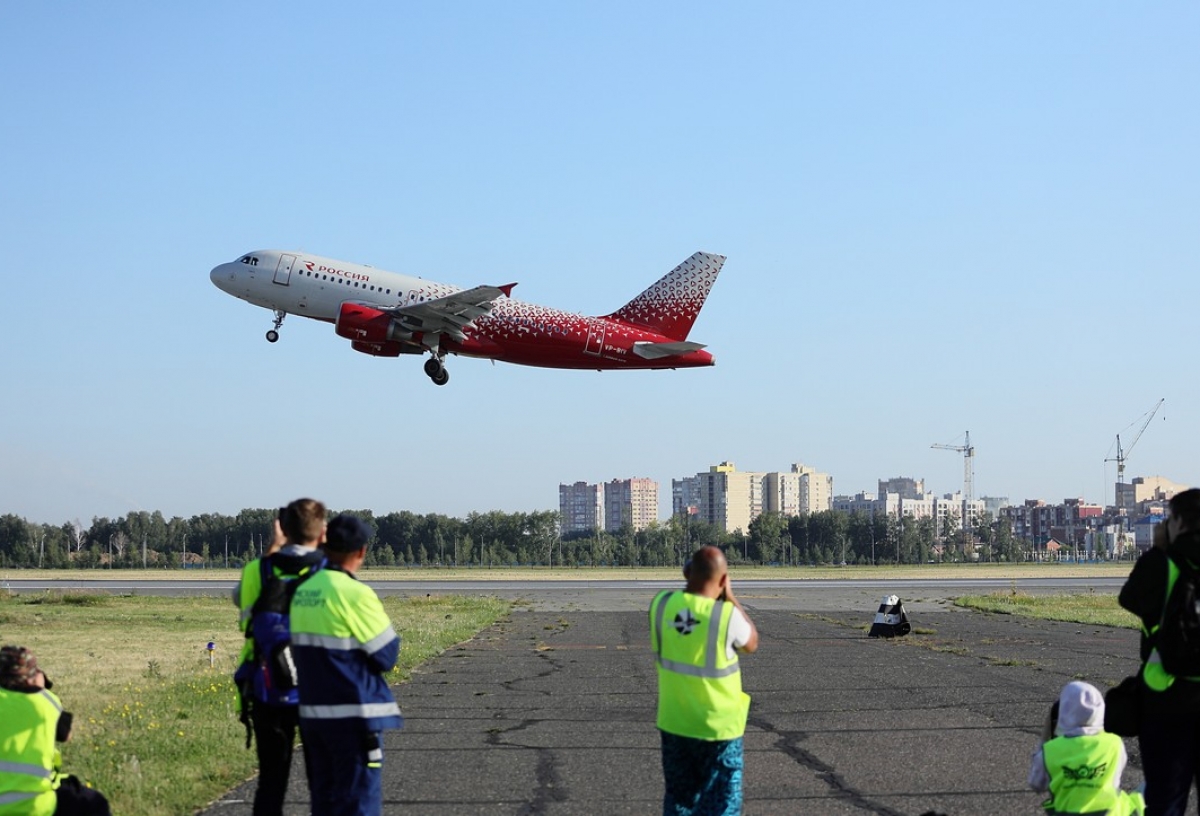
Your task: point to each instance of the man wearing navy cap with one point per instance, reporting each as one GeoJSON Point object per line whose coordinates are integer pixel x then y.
{"type": "Point", "coordinates": [343, 643]}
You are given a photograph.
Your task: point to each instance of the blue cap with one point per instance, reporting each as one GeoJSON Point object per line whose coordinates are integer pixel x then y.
{"type": "Point", "coordinates": [346, 533]}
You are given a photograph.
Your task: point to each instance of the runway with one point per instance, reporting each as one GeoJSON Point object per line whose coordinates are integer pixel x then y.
{"type": "Point", "coordinates": [551, 711]}
{"type": "Point", "coordinates": [605, 595]}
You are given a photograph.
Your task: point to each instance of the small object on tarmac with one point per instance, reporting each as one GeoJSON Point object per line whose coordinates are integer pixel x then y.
{"type": "Point", "coordinates": [891, 620]}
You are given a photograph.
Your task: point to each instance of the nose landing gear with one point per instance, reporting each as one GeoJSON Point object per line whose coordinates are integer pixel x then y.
{"type": "Point", "coordinates": [273, 334]}
{"type": "Point", "coordinates": [436, 371]}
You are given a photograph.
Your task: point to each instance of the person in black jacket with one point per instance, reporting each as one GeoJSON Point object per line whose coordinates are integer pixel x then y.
{"type": "Point", "coordinates": [1169, 736]}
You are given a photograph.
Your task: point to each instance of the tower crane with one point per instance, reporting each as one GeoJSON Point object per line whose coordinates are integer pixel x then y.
{"type": "Point", "coordinates": [1123, 453]}
{"type": "Point", "coordinates": [968, 452]}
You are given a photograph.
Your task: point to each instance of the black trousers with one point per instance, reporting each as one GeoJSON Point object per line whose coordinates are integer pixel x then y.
{"type": "Point", "coordinates": [1170, 761]}
{"type": "Point", "coordinates": [275, 739]}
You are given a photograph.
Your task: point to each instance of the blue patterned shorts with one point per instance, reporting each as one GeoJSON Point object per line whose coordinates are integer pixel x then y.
{"type": "Point", "coordinates": [702, 778]}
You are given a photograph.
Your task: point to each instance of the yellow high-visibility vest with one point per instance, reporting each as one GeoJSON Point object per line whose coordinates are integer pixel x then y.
{"type": "Point", "coordinates": [1154, 674]}
{"type": "Point", "coordinates": [1082, 771]}
{"type": "Point", "coordinates": [29, 761]}
{"type": "Point", "coordinates": [699, 687]}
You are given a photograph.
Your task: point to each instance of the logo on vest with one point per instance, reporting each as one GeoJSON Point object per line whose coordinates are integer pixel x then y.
{"type": "Point", "coordinates": [1084, 772]}
{"type": "Point", "coordinates": [685, 622]}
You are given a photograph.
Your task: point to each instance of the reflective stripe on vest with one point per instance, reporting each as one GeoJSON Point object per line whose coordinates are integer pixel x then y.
{"type": "Point", "coordinates": [349, 710]}
{"type": "Point", "coordinates": [28, 759]}
{"type": "Point", "coordinates": [700, 686]}
{"type": "Point", "coordinates": [26, 769]}
{"type": "Point", "coordinates": [344, 643]}
{"type": "Point", "coordinates": [709, 669]}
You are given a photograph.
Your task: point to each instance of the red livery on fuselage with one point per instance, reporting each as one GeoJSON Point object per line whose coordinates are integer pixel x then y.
{"type": "Point", "coordinates": [387, 314]}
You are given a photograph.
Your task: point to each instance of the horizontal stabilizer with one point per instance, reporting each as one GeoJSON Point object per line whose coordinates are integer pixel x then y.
{"type": "Point", "coordinates": [656, 351]}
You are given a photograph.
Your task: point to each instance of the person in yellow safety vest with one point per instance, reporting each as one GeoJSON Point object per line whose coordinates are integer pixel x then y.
{"type": "Point", "coordinates": [31, 721]}
{"type": "Point", "coordinates": [270, 712]}
{"type": "Point", "coordinates": [696, 635]}
{"type": "Point", "coordinates": [1081, 767]}
{"type": "Point", "coordinates": [344, 645]}
{"type": "Point", "coordinates": [1169, 727]}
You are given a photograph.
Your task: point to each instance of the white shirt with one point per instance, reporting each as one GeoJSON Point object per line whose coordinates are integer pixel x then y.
{"type": "Point", "coordinates": [738, 634]}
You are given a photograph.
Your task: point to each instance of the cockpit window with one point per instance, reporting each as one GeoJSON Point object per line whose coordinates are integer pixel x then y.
{"type": "Point", "coordinates": [249, 260]}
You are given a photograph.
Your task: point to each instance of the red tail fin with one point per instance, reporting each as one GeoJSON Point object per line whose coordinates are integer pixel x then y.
{"type": "Point", "coordinates": [670, 306]}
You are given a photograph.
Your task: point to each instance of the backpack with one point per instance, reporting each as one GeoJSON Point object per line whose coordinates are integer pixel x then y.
{"type": "Point", "coordinates": [1178, 635]}
{"type": "Point", "coordinates": [273, 676]}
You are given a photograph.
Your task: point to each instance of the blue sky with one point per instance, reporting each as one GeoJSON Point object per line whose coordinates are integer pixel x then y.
{"type": "Point", "coordinates": [939, 217]}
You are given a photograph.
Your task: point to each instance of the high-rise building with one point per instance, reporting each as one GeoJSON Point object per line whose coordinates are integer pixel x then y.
{"type": "Point", "coordinates": [581, 507]}
{"type": "Point", "coordinates": [816, 489]}
{"type": "Point", "coordinates": [906, 488]}
{"type": "Point", "coordinates": [685, 497]}
{"type": "Point", "coordinates": [586, 508]}
{"type": "Point", "coordinates": [803, 490]}
{"type": "Point", "coordinates": [727, 497]}
{"type": "Point", "coordinates": [730, 499]}
{"type": "Point", "coordinates": [632, 502]}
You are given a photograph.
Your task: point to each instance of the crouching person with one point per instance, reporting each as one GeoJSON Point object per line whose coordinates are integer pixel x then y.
{"type": "Point", "coordinates": [1081, 767]}
{"type": "Point", "coordinates": [32, 720]}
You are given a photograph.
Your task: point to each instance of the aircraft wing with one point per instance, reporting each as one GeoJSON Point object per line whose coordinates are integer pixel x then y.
{"type": "Point", "coordinates": [656, 351]}
{"type": "Point", "coordinates": [451, 314]}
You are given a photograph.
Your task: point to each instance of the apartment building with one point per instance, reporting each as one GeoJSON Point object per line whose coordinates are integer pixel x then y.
{"type": "Point", "coordinates": [581, 507]}
{"type": "Point", "coordinates": [1038, 522]}
{"type": "Point", "coordinates": [632, 502]}
{"type": "Point", "coordinates": [730, 499]}
{"type": "Point", "coordinates": [587, 508]}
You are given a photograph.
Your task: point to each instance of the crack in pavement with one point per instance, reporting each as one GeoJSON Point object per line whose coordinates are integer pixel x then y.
{"type": "Point", "coordinates": [787, 743]}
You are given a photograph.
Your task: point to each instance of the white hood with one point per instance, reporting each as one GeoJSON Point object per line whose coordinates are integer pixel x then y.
{"type": "Point", "coordinates": [1080, 710]}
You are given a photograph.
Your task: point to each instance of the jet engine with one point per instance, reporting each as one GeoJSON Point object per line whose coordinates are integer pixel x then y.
{"type": "Point", "coordinates": [378, 349]}
{"type": "Point", "coordinates": [369, 326]}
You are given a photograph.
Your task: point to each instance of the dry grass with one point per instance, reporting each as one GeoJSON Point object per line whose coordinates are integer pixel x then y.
{"type": "Point", "coordinates": [155, 723]}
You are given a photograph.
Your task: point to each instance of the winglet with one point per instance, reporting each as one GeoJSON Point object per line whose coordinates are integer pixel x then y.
{"type": "Point", "coordinates": [507, 289]}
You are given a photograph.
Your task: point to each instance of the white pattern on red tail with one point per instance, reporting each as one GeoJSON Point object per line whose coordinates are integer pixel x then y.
{"type": "Point", "coordinates": [670, 306]}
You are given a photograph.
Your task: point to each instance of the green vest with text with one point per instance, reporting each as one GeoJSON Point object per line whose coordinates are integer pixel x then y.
{"type": "Point", "coordinates": [29, 761]}
{"type": "Point", "coordinates": [699, 687]}
{"type": "Point", "coordinates": [1082, 771]}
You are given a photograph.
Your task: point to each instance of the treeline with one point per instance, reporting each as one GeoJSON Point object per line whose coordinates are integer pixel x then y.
{"type": "Point", "coordinates": [496, 539]}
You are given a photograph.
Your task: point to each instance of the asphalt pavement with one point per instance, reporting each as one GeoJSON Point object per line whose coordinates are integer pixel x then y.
{"type": "Point", "coordinates": [551, 711]}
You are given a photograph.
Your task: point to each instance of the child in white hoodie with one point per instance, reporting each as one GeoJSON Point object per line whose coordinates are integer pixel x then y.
{"type": "Point", "coordinates": [1082, 766]}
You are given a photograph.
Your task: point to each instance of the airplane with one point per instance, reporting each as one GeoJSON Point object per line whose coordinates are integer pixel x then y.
{"type": "Point", "coordinates": [387, 314]}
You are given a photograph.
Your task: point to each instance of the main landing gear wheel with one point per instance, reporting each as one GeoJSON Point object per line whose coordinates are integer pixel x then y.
{"type": "Point", "coordinates": [436, 371]}
{"type": "Point", "coordinates": [273, 334]}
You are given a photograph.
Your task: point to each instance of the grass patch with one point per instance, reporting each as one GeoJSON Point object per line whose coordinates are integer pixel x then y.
{"type": "Point", "coordinates": [155, 724]}
{"type": "Point", "coordinates": [1091, 608]}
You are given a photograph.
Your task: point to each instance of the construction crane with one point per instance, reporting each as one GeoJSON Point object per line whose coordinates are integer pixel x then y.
{"type": "Point", "coordinates": [1123, 453]}
{"type": "Point", "coordinates": [968, 452]}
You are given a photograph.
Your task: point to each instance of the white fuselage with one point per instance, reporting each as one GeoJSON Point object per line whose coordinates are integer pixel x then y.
{"type": "Point", "coordinates": [316, 287]}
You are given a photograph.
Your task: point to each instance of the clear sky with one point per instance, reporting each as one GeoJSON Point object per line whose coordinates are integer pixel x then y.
{"type": "Point", "coordinates": [939, 217]}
